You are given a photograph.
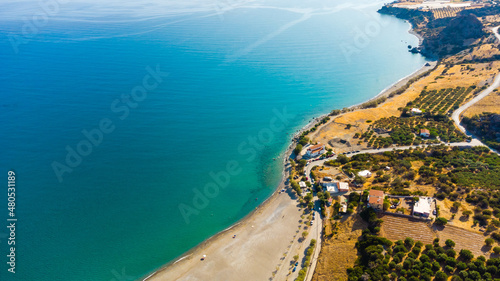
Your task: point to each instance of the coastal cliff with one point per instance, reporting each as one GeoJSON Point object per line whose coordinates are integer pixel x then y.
{"type": "Point", "coordinates": [441, 37]}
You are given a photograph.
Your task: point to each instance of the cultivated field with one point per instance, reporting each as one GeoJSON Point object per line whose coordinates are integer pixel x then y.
{"type": "Point", "coordinates": [446, 12]}
{"type": "Point", "coordinates": [398, 228]}
{"type": "Point", "coordinates": [464, 239]}
{"type": "Point", "coordinates": [442, 101]}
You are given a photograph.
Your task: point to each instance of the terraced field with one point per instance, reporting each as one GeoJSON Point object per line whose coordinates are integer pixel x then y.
{"type": "Point", "coordinates": [464, 239]}
{"type": "Point", "coordinates": [398, 228]}
{"type": "Point", "coordinates": [446, 12]}
{"type": "Point", "coordinates": [442, 101]}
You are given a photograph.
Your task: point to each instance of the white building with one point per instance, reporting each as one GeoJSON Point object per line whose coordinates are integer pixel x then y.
{"type": "Point", "coordinates": [415, 111]}
{"type": "Point", "coordinates": [315, 150]}
{"type": "Point", "coordinates": [365, 173]}
{"type": "Point", "coordinates": [331, 188]}
{"type": "Point", "coordinates": [302, 185]}
{"type": "Point", "coordinates": [422, 208]}
{"type": "Point", "coordinates": [335, 187]}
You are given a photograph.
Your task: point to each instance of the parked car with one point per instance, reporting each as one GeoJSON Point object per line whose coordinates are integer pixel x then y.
{"type": "Point", "coordinates": [295, 268]}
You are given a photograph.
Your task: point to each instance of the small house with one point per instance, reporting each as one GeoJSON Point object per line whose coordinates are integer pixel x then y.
{"type": "Point", "coordinates": [422, 207]}
{"type": "Point", "coordinates": [365, 173]}
{"type": "Point", "coordinates": [343, 208]}
{"type": "Point", "coordinates": [315, 150]}
{"type": "Point", "coordinates": [376, 199]}
{"type": "Point", "coordinates": [415, 111]}
{"type": "Point", "coordinates": [302, 185]}
{"type": "Point", "coordinates": [335, 187]}
{"type": "Point", "coordinates": [425, 133]}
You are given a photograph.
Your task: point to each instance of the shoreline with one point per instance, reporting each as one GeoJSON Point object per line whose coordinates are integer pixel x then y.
{"type": "Point", "coordinates": [197, 250]}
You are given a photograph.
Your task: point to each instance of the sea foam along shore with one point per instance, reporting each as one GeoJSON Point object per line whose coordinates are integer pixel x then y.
{"type": "Point", "coordinates": [257, 249]}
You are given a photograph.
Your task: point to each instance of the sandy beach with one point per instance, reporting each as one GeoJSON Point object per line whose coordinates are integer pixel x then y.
{"type": "Point", "coordinates": [254, 254]}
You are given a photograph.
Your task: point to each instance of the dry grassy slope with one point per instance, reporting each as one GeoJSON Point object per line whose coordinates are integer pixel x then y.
{"type": "Point", "coordinates": [338, 252]}
{"type": "Point", "coordinates": [490, 103]}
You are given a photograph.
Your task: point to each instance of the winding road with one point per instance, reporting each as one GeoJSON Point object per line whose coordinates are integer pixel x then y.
{"type": "Point", "coordinates": [456, 114]}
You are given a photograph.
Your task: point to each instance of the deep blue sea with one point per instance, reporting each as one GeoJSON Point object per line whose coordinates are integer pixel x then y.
{"type": "Point", "coordinates": [117, 115]}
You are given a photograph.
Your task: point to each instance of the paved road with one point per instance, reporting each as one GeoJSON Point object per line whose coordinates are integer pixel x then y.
{"type": "Point", "coordinates": [495, 31]}
{"type": "Point", "coordinates": [456, 115]}
{"type": "Point", "coordinates": [315, 234]}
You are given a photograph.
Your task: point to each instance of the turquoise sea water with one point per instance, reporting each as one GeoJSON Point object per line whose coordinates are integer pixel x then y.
{"type": "Point", "coordinates": [231, 66]}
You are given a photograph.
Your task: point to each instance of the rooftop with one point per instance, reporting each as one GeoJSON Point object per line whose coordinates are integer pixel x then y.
{"type": "Point", "coordinates": [316, 147]}
{"type": "Point", "coordinates": [375, 200]}
{"type": "Point", "coordinates": [376, 193]}
{"type": "Point", "coordinates": [423, 206]}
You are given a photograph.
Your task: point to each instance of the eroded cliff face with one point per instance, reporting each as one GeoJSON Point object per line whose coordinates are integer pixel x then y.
{"type": "Point", "coordinates": [441, 37]}
{"type": "Point", "coordinates": [458, 34]}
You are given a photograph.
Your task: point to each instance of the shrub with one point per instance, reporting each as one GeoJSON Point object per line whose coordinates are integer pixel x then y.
{"type": "Point", "coordinates": [466, 255]}
{"type": "Point", "coordinates": [441, 221]}
{"type": "Point", "coordinates": [449, 243]}
{"type": "Point", "coordinates": [489, 241]}
{"type": "Point", "coordinates": [496, 250]}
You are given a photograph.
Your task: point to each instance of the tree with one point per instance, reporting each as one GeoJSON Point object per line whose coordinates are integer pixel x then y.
{"type": "Point", "coordinates": [342, 159]}
{"type": "Point", "coordinates": [467, 213]}
{"type": "Point", "coordinates": [359, 180]}
{"type": "Point", "coordinates": [449, 243]}
{"type": "Point", "coordinates": [466, 255]}
{"type": "Point", "coordinates": [441, 276]}
{"type": "Point", "coordinates": [489, 241]}
{"type": "Point", "coordinates": [304, 234]}
{"type": "Point", "coordinates": [310, 205]}
{"type": "Point", "coordinates": [308, 197]}
{"type": "Point", "coordinates": [409, 242]}
{"type": "Point", "coordinates": [386, 205]}
{"type": "Point", "coordinates": [496, 250]}
{"type": "Point", "coordinates": [296, 257]}
{"type": "Point", "coordinates": [298, 149]}
{"type": "Point", "coordinates": [441, 221]}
